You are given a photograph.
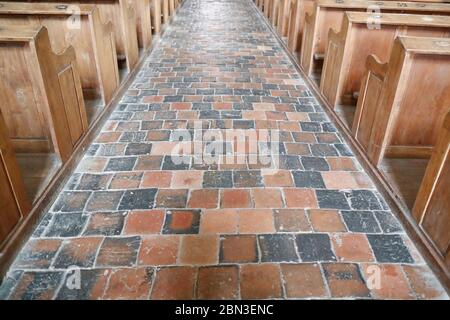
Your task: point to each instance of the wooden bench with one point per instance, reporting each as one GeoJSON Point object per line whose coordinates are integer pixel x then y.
{"type": "Point", "coordinates": [165, 11]}
{"type": "Point", "coordinates": [122, 15]}
{"type": "Point", "coordinates": [267, 8]}
{"type": "Point", "coordinates": [328, 14]}
{"type": "Point", "coordinates": [143, 23]}
{"type": "Point", "coordinates": [402, 104]}
{"type": "Point", "coordinates": [347, 50]}
{"type": "Point", "coordinates": [156, 15]}
{"type": "Point", "coordinates": [14, 202]}
{"type": "Point", "coordinates": [43, 105]}
{"type": "Point", "coordinates": [432, 205]}
{"type": "Point", "coordinates": [92, 40]}
{"type": "Point", "coordinates": [283, 17]}
{"type": "Point", "coordinates": [297, 14]}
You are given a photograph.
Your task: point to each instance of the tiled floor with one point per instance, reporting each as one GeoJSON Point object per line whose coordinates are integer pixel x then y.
{"type": "Point", "coordinates": [141, 224]}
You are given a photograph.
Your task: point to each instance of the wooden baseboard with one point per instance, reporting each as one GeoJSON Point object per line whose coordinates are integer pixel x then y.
{"type": "Point", "coordinates": [419, 238]}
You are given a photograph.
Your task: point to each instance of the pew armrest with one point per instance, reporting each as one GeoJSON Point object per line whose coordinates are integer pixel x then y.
{"type": "Point", "coordinates": [375, 66]}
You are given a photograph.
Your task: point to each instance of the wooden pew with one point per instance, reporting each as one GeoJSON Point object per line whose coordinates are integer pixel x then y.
{"type": "Point", "coordinates": [296, 22]}
{"type": "Point", "coordinates": [432, 205]}
{"type": "Point", "coordinates": [347, 50]}
{"type": "Point", "coordinates": [92, 40]}
{"type": "Point", "coordinates": [402, 104]}
{"type": "Point", "coordinates": [267, 8]}
{"type": "Point", "coordinates": [14, 202]}
{"type": "Point", "coordinates": [165, 11]}
{"type": "Point", "coordinates": [283, 17]}
{"type": "Point", "coordinates": [143, 23]}
{"type": "Point", "coordinates": [43, 105]}
{"type": "Point", "coordinates": [274, 12]}
{"type": "Point", "coordinates": [156, 15]}
{"type": "Point", "coordinates": [328, 14]}
{"type": "Point", "coordinates": [122, 15]}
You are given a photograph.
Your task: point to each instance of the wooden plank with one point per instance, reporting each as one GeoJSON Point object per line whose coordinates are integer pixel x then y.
{"type": "Point", "coordinates": [143, 23]}
{"type": "Point", "coordinates": [156, 15]}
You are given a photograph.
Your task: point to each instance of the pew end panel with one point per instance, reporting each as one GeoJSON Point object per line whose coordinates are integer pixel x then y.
{"type": "Point", "coordinates": [156, 16]}
{"type": "Point", "coordinates": [432, 206]}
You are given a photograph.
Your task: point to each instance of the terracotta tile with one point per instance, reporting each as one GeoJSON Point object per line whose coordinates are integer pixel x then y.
{"type": "Point", "coordinates": [239, 249]}
{"type": "Point", "coordinates": [300, 198]}
{"type": "Point", "coordinates": [159, 250]}
{"type": "Point", "coordinates": [174, 283]}
{"type": "Point", "coordinates": [260, 281]}
{"type": "Point", "coordinates": [187, 179]}
{"type": "Point", "coordinates": [144, 222]}
{"type": "Point", "coordinates": [326, 220]}
{"type": "Point", "coordinates": [387, 281]}
{"type": "Point", "coordinates": [38, 253]}
{"type": "Point", "coordinates": [157, 179]}
{"type": "Point", "coordinates": [345, 281]}
{"type": "Point", "coordinates": [125, 180]}
{"type": "Point", "coordinates": [203, 198]}
{"type": "Point", "coordinates": [342, 163]}
{"type": "Point", "coordinates": [303, 280]}
{"type": "Point", "coordinates": [218, 283]}
{"type": "Point", "coordinates": [277, 178]}
{"type": "Point", "coordinates": [199, 250]}
{"type": "Point", "coordinates": [182, 222]}
{"type": "Point", "coordinates": [235, 198]}
{"type": "Point", "coordinates": [339, 180]}
{"type": "Point", "coordinates": [219, 221]}
{"type": "Point", "coordinates": [291, 220]}
{"type": "Point", "coordinates": [424, 283]}
{"type": "Point", "coordinates": [256, 221]}
{"type": "Point", "coordinates": [352, 247]}
{"type": "Point", "coordinates": [79, 252]}
{"type": "Point", "coordinates": [126, 284]}
{"type": "Point", "coordinates": [267, 198]}
{"type": "Point", "coordinates": [171, 198]}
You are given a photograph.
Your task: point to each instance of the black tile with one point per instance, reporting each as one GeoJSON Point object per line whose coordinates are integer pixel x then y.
{"type": "Point", "coordinates": [315, 163]}
{"type": "Point", "coordinates": [314, 247]}
{"type": "Point", "coordinates": [105, 223]}
{"type": "Point", "coordinates": [361, 221]}
{"type": "Point", "coordinates": [311, 126]}
{"type": "Point", "coordinates": [332, 199]}
{"type": "Point", "coordinates": [217, 179]}
{"type": "Point", "coordinates": [364, 200]}
{"type": "Point", "coordinates": [389, 248]}
{"type": "Point", "coordinates": [138, 149]}
{"type": "Point", "coordinates": [308, 179]}
{"type": "Point", "coordinates": [289, 162]}
{"type": "Point", "coordinates": [176, 162]}
{"type": "Point", "coordinates": [277, 248]}
{"type": "Point", "coordinates": [66, 225]}
{"type": "Point", "coordinates": [323, 150]}
{"type": "Point", "coordinates": [133, 136]}
{"type": "Point", "coordinates": [138, 199]}
{"type": "Point", "coordinates": [71, 201]}
{"type": "Point", "coordinates": [94, 181]}
{"type": "Point", "coordinates": [121, 164]}
{"type": "Point", "coordinates": [388, 222]}
{"type": "Point", "coordinates": [172, 223]}
{"type": "Point", "coordinates": [243, 124]}
{"type": "Point", "coordinates": [247, 179]}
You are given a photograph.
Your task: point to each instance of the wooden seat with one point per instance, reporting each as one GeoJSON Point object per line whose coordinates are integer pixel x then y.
{"type": "Point", "coordinates": [92, 40]}
{"type": "Point", "coordinates": [283, 17]}
{"type": "Point", "coordinates": [347, 50]}
{"type": "Point", "coordinates": [43, 105]}
{"type": "Point", "coordinates": [328, 14]}
{"type": "Point", "coordinates": [165, 11]}
{"type": "Point", "coordinates": [122, 15]}
{"type": "Point", "coordinates": [267, 7]}
{"type": "Point", "coordinates": [432, 204]}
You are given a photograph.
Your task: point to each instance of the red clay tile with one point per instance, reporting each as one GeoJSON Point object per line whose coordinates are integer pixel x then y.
{"type": "Point", "coordinates": [126, 284]}
{"type": "Point", "coordinates": [159, 250]}
{"type": "Point", "coordinates": [174, 283]}
{"type": "Point", "coordinates": [144, 222]}
{"type": "Point", "coordinates": [204, 198]}
{"type": "Point", "coordinates": [291, 220]}
{"type": "Point", "coordinates": [260, 281]}
{"type": "Point", "coordinates": [218, 283]}
{"type": "Point", "coordinates": [277, 178]}
{"type": "Point", "coordinates": [235, 198]}
{"type": "Point", "coordinates": [424, 283]}
{"type": "Point", "coordinates": [157, 179]}
{"type": "Point", "coordinates": [345, 281]}
{"type": "Point", "coordinates": [326, 220]}
{"type": "Point", "coordinates": [256, 221]}
{"type": "Point", "coordinates": [300, 198]}
{"type": "Point", "coordinates": [303, 280]}
{"type": "Point", "coordinates": [238, 249]}
{"type": "Point", "coordinates": [219, 221]}
{"type": "Point", "coordinates": [352, 247]}
{"type": "Point", "coordinates": [187, 179]}
{"type": "Point", "coordinates": [267, 198]}
{"type": "Point", "coordinates": [199, 250]}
